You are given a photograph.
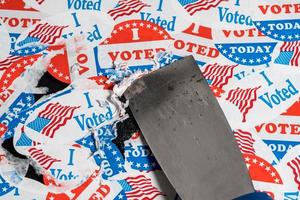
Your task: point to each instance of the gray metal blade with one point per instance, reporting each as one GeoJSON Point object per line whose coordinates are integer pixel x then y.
{"type": "Point", "coordinates": [188, 133]}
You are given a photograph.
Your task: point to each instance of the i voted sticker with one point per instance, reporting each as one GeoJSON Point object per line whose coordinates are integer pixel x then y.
{"type": "Point", "coordinates": [53, 39]}
{"type": "Point", "coordinates": [270, 91]}
{"type": "Point", "coordinates": [53, 120]}
{"type": "Point", "coordinates": [62, 164]}
{"type": "Point", "coordinates": [256, 50]}
{"type": "Point", "coordinates": [280, 134]}
{"type": "Point", "coordinates": [276, 19]}
{"type": "Point", "coordinates": [134, 44]}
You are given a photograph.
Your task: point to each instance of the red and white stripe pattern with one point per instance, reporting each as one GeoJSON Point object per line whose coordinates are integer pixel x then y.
{"type": "Point", "coordinates": [295, 166]}
{"type": "Point", "coordinates": [4, 64]}
{"type": "Point", "coordinates": [40, 1]}
{"type": "Point", "coordinates": [245, 141]}
{"type": "Point", "coordinates": [292, 47]}
{"type": "Point", "coordinates": [243, 99]}
{"type": "Point", "coordinates": [34, 143]}
{"type": "Point", "coordinates": [42, 159]}
{"type": "Point", "coordinates": [47, 33]}
{"type": "Point", "coordinates": [127, 7]}
{"type": "Point", "coordinates": [202, 5]}
{"type": "Point", "coordinates": [142, 188]}
{"type": "Point", "coordinates": [218, 75]}
{"type": "Point", "coordinates": [58, 114]}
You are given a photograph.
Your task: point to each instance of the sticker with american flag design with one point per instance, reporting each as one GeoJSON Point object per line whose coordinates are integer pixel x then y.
{"type": "Point", "coordinates": [277, 20]}
{"type": "Point", "coordinates": [139, 187]}
{"type": "Point", "coordinates": [249, 47]}
{"type": "Point", "coordinates": [62, 164]}
{"type": "Point", "coordinates": [219, 69]}
{"type": "Point", "coordinates": [55, 119]}
{"type": "Point", "coordinates": [57, 39]}
{"type": "Point", "coordinates": [260, 160]}
{"type": "Point", "coordinates": [289, 53]}
{"type": "Point", "coordinates": [12, 81]}
{"type": "Point", "coordinates": [268, 91]}
{"type": "Point", "coordinates": [126, 8]}
{"type": "Point", "coordinates": [280, 134]}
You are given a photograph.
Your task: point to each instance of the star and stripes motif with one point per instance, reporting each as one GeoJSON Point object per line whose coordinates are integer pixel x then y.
{"type": "Point", "coordinates": [44, 33]}
{"type": "Point", "coordinates": [289, 54]}
{"type": "Point", "coordinates": [280, 153]}
{"type": "Point", "coordinates": [15, 69]}
{"type": "Point", "coordinates": [16, 114]}
{"type": "Point", "coordinates": [251, 59]}
{"type": "Point", "coordinates": [261, 170]}
{"type": "Point", "coordinates": [51, 118]}
{"type": "Point", "coordinates": [5, 63]}
{"type": "Point", "coordinates": [59, 73]}
{"type": "Point", "coordinates": [29, 50]}
{"type": "Point", "coordinates": [59, 63]}
{"type": "Point", "coordinates": [137, 188]}
{"type": "Point", "coordinates": [282, 34]}
{"type": "Point", "coordinates": [122, 34]}
{"type": "Point", "coordinates": [243, 98]}
{"type": "Point", "coordinates": [127, 7]}
{"type": "Point", "coordinates": [5, 187]}
{"type": "Point", "coordinates": [18, 54]}
{"type": "Point", "coordinates": [148, 31]}
{"type": "Point", "coordinates": [141, 158]}
{"type": "Point", "coordinates": [105, 133]}
{"type": "Point", "coordinates": [111, 155]}
{"type": "Point", "coordinates": [245, 141]}
{"type": "Point", "coordinates": [41, 158]}
{"type": "Point", "coordinates": [194, 6]}
{"type": "Point", "coordinates": [25, 140]}
{"type": "Point", "coordinates": [218, 76]}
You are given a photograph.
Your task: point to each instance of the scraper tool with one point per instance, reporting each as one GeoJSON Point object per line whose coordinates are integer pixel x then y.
{"type": "Point", "coordinates": [189, 135]}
